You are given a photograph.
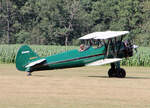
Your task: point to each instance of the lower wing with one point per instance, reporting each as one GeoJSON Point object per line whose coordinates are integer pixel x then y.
{"type": "Point", "coordinates": [104, 61]}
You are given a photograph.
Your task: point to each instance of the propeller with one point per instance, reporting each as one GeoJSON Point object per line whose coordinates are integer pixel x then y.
{"type": "Point", "coordinates": [132, 45]}
{"type": "Point", "coordinates": [135, 47]}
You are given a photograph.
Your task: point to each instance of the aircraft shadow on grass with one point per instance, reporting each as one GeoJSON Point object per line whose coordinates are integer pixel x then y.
{"type": "Point", "coordinates": [125, 78]}
{"type": "Point", "coordinates": [100, 77]}
{"type": "Point", "coordinates": [40, 75]}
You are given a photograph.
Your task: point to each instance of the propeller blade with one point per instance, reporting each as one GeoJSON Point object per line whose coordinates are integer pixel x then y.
{"type": "Point", "coordinates": [135, 47]}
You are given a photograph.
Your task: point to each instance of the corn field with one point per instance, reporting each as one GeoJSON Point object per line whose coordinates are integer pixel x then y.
{"type": "Point", "coordinates": [141, 58]}
{"type": "Point", "coordinates": [8, 54]}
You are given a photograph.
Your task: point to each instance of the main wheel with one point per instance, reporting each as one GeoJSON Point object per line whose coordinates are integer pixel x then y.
{"type": "Point", "coordinates": [112, 72]}
{"type": "Point", "coordinates": [121, 73]}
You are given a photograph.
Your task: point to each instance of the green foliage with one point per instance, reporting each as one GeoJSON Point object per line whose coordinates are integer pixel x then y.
{"type": "Point", "coordinates": [60, 22]}
{"type": "Point", "coordinates": [23, 37]}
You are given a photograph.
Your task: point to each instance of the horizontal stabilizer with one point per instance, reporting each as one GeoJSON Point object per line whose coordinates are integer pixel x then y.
{"type": "Point", "coordinates": [104, 61]}
{"type": "Point", "coordinates": [35, 63]}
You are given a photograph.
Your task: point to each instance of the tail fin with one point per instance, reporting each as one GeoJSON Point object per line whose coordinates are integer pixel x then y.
{"type": "Point", "coordinates": [24, 56]}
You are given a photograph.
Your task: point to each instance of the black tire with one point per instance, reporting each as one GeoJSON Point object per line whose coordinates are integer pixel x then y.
{"type": "Point", "coordinates": [112, 73]}
{"type": "Point", "coordinates": [121, 73]}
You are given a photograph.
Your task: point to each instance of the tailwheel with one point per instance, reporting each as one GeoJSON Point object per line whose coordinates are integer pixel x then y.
{"type": "Point", "coordinates": [121, 73]}
{"type": "Point", "coordinates": [29, 71]}
{"type": "Point", "coordinates": [29, 74]}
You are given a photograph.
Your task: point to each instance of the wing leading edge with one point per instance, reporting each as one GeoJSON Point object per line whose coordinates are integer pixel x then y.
{"type": "Point", "coordinates": [104, 35]}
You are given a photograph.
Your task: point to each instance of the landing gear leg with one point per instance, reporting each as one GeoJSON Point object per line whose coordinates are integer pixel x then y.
{"type": "Point", "coordinates": [116, 71]}
{"type": "Point", "coordinates": [29, 71]}
{"type": "Point", "coordinates": [112, 70]}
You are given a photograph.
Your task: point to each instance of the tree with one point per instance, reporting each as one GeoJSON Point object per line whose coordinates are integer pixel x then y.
{"type": "Point", "coordinates": [143, 38]}
{"type": "Point", "coordinates": [74, 20]}
{"type": "Point", "coordinates": [9, 14]}
{"type": "Point", "coordinates": [5, 18]}
{"type": "Point", "coordinates": [118, 15]}
{"type": "Point", "coordinates": [60, 22]}
{"type": "Point", "coordinates": [68, 14]}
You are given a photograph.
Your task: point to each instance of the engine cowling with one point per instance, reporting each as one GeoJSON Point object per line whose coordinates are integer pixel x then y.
{"type": "Point", "coordinates": [128, 51]}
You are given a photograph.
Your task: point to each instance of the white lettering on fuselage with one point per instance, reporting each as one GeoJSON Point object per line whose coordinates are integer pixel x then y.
{"type": "Point", "coordinates": [25, 52]}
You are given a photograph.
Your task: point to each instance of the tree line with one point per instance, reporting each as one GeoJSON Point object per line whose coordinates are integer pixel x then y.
{"type": "Point", "coordinates": [61, 22]}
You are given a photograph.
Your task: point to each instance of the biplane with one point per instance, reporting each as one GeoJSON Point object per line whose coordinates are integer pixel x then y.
{"type": "Point", "coordinates": [99, 48]}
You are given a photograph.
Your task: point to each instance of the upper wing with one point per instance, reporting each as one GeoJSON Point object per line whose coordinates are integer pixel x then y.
{"type": "Point", "coordinates": [104, 35]}
{"type": "Point", "coordinates": [103, 61]}
{"type": "Point", "coordinates": [111, 34]}
{"type": "Point", "coordinates": [90, 36]}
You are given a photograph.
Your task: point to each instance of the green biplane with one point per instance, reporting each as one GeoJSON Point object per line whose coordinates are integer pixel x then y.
{"type": "Point", "coordinates": [100, 48]}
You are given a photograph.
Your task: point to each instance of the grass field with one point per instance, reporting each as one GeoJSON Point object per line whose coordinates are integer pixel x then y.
{"type": "Point", "coordinates": [86, 87]}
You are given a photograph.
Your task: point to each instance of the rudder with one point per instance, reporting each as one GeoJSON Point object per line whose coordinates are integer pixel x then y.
{"type": "Point", "coordinates": [24, 56]}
